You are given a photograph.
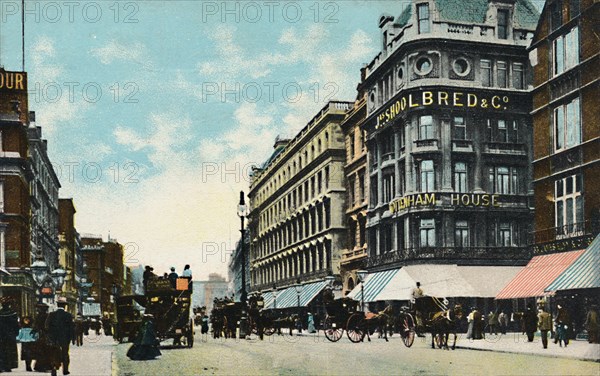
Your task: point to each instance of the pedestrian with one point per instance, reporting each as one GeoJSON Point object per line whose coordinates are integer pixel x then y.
{"type": "Point", "coordinates": [78, 323]}
{"type": "Point", "coordinates": [27, 337]}
{"type": "Point", "coordinates": [187, 274]}
{"type": "Point", "coordinates": [503, 322]}
{"type": "Point", "coordinates": [545, 325]}
{"type": "Point", "coordinates": [204, 328]}
{"type": "Point", "coordinates": [147, 276]}
{"type": "Point", "coordinates": [145, 345]}
{"type": "Point", "coordinates": [173, 277]}
{"type": "Point", "coordinates": [106, 324]}
{"type": "Point", "coordinates": [493, 322]}
{"type": "Point", "coordinates": [591, 324]}
{"type": "Point", "coordinates": [9, 329]}
{"type": "Point", "coordinates": [311, 323]}
{"type": "Point", "coordinates": [530, 321]}
{"type": "Point", "coordinates": [478, 325]}
{"type": "Point", "coordinates": [42, 349]}
{"type": "Point", "coordinates": [471, 323]}
{"type": "Point", "coordinates": [59, 325]}
{"type": "Point", "coordinates": [562, 326]}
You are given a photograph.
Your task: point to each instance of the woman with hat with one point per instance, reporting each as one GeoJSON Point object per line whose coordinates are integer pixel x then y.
{"type": "Point", "coordinates": [145, 345]}
{"type": "Point", "coordinates": [42, 350]}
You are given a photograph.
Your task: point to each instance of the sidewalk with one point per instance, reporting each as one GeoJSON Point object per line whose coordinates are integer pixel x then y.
{"type": "Point", "coordinates": [94, 358]}
{"type": "Point", "coordinates": [517, 343]}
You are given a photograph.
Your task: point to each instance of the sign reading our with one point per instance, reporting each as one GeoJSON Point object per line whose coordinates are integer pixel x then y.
{"type": "Point", "coordinates": [12, 81]}
{"type": "Point", "coordinates": [439, 98]}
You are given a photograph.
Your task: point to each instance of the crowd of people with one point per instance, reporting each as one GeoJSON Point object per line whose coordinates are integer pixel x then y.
{"type": "Point", "coordinates": [171, 276]}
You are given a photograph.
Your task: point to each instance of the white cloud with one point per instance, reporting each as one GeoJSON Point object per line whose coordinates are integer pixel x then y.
{"type": "Point", "coordinates": [117, 51]}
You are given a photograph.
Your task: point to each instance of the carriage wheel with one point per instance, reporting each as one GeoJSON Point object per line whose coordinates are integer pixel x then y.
{"type": "Point", "coordinates": [355, 328]}
{"type": "Point", "coordinates": [408, 330]}
{"type": "Point", "coordinates": [332, 331]}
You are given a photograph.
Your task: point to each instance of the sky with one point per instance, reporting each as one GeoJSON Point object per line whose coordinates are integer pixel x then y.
{"type": "Point", "coordinates": [154, 111]}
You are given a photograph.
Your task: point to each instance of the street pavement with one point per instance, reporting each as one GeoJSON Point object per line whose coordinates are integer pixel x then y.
{"type": "Point", "coordinates": [315, 355]}
{"type": "Point", "coordinates": [310, 354]}
{"type": "Point", "coordinates": [517, 343]}
{"type": "Point", "coordinates": [94, 358]}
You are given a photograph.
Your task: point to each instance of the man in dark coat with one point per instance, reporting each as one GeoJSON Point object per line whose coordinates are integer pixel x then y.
{"type": "Point", "coordinates": [531, 323]}
{"type": "Point", "coordinates": [9, 329]}
{"type": "Point", "coordinates": [60, 332]}
{"type": "Point", "coordinates": [173, 277]}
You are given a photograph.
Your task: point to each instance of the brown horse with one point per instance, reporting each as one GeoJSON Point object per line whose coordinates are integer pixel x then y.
{"type": "Point", "coordinates": [442, 324]}
{"type": "Point", "coordinates": [378, 321]}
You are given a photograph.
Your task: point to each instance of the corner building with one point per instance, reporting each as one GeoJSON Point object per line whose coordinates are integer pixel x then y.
{"type": "Point", "coordinates": [297, 206]}
{"type": "Point", "coordinates": [449, 135]}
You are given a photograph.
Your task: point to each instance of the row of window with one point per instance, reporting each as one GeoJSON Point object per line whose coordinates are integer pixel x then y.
{"type": "Point", "coordinates": [500, 180]}
{"type": "Point", "coordinates": [498, 234]}
{"type": "Point", "coordinates": [316, 258]}
{"type": "Point", "coordinates": [311, 151]}
{"type": "Point", "coordinates": [296, 229]}
{"type": "Point", "coordinates": [303, 193]}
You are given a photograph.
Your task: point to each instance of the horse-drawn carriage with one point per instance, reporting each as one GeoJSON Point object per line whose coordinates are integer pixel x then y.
{"type": "Point", "coordinates": [225, 316]}
{"type": "Point", "coordinates": [129, 317]}
{"type": "Point", "coordinates": [435, 316]}
{"type": "Point", "coordinates": [171, 310]}
{"type": "Point", "coordinates": [338, 312]}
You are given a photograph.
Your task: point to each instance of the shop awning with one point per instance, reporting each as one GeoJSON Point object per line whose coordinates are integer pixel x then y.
{"type": "Point", "coordinates": [488, 281]}
{"type": "Point", "coordinates": [267, 299]}
{"type": "Point", "coordinates": [284, 296]}
{"type": "Point", "coordinates": [373, 284]}
{"type": "Point", "coordinates": [307, 294]}
{"type": "Point", "coordinates": [537, 275]}
{"type": "Point", "coordinates": [584, 273]}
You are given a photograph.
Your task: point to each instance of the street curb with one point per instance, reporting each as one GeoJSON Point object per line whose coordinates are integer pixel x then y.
{"type": "Point", "coordinates": [114, 367]}
{"type": "Point", "coordinates": [547, 355]}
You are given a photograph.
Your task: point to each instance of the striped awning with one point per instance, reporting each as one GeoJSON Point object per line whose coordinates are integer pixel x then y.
{"type": "Point", "coordinates": [267, 299]}
{"type": "Point", "coordinates": [584, 273]}
{"type": "Point", "coordinates": [533, 280]}
{"type": "Point", "coordinates": [307, 294]}
{"type": "Point", "coordinates": [284, 297]}
{"type": "Point", "coordinates": [373, 284]}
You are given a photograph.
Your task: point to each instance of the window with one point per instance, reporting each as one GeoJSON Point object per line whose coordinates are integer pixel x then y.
{"type": "Point", "coordinates": [319, 183]}
{"type": "Point", "coordinates": [555, 15]}
{"type": "Point", "coordinates": [567, 125]}
{"type": "Point", "coordinates": [574, 8]}
{"type": "Point", "coordinates": [459, 131]}
{"type": "Point", "coordinates": [389, 187]}
{"type": "Point", "coordinates": [427, 176]}
{"type": "Point", "coordinates": [373, 188]}
{"type": "Point", "coordinates": [427, 232]}
{"type": "Point", "coordinates": [423, 65]}
{"type": "Point", "coordinates": [387, 146]}
{"type": "Point", "coordinates": [566, 51]}
{"type": "Point", "coordinates": [568, 202]}
{"type": "Point", "coordinates": [503, 180]}
{"type": "Point", "coordinates": [502, 74]}
{"type": "Point", "coordinates": [460, 177]}
{"type": "Point", "coordinates": [326, 177]}
{"type": "Point", "coordinates": [504, 234]}
{"type": "Point", "coordinates": [461, 67]}
{"type": "Point", "coordinates": [486, 72]}
{"type": "Point", "coordinates": [502, 131]}
{"type": "Point", "coordinates": [2, 249]}
{"type": "Point", "coordinates": [518, 76]}
{"type": "Point", "coordinates": [361, 187]}
{"type": "Point", "coordinates": [351, 190]}
{"type": "Point", "coordinates": [423, 18]}
{"type": "Point", "coordinates": [426, 127]}
{"type": "Point", "coordinates": [351, 145]}
{"type": "Point", "coordinates": [461, 234]}
{"type": "Point", "coordinates": [503, 23]}
{"type": "Point", "coordinates": [1, 197]}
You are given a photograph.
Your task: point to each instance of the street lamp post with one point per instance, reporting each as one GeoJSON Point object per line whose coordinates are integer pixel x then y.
{"type": "Point", "coordinates": [298, 287]}
{"type": "Point", "coordinates": [39, 271]}
{"type": "Point", "coordinates": [362, 274]}
{"type": "Point", "coordinates": [242, 212]}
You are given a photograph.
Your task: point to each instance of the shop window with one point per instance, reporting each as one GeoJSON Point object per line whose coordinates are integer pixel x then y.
{"type": "Point", "coordinates": [567, 125]}
{"type": "Point", "coordinates": [568, 201]}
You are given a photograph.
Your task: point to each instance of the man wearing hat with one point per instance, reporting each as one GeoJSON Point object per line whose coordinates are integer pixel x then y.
{"type": "Point", "coordinates": [9, 329]}
{"type": "Point", "coordinates": [60, 332]}
{"type": "Point", "coordinates": [173, 277]}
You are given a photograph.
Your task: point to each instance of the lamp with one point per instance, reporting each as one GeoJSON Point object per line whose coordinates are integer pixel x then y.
{"type": "Point", "coordinates": [242, 212]}
{"type": "Point", "coordinates": [39, 270]}
{"type": "Point", "coordinates": [274, 296]}
{"type": "Point", "coordinates": [58, 277]}
{"type": "Point", "coordinates": [362, 274]}
{"type": "Point", "coordinates": [298, 287]}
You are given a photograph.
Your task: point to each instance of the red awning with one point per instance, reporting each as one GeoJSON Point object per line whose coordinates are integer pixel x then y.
{"type": "Point", "coordinates": [540, 272]}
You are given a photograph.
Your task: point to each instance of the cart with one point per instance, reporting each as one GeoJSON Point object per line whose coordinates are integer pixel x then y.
{"type": "Point", "coordinates": [128, 318]}
{"type": "Point", "coordinates": [171, 310]}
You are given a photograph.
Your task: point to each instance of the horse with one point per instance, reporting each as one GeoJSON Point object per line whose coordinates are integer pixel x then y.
{"type": "Point", "coordinates": [443, 324]}
{"type": "Point", "coordinates": [378, 321]}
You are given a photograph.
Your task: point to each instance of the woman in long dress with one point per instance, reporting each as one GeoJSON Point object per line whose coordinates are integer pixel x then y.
{"type": "Point", "coordinates": [145, 346]}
